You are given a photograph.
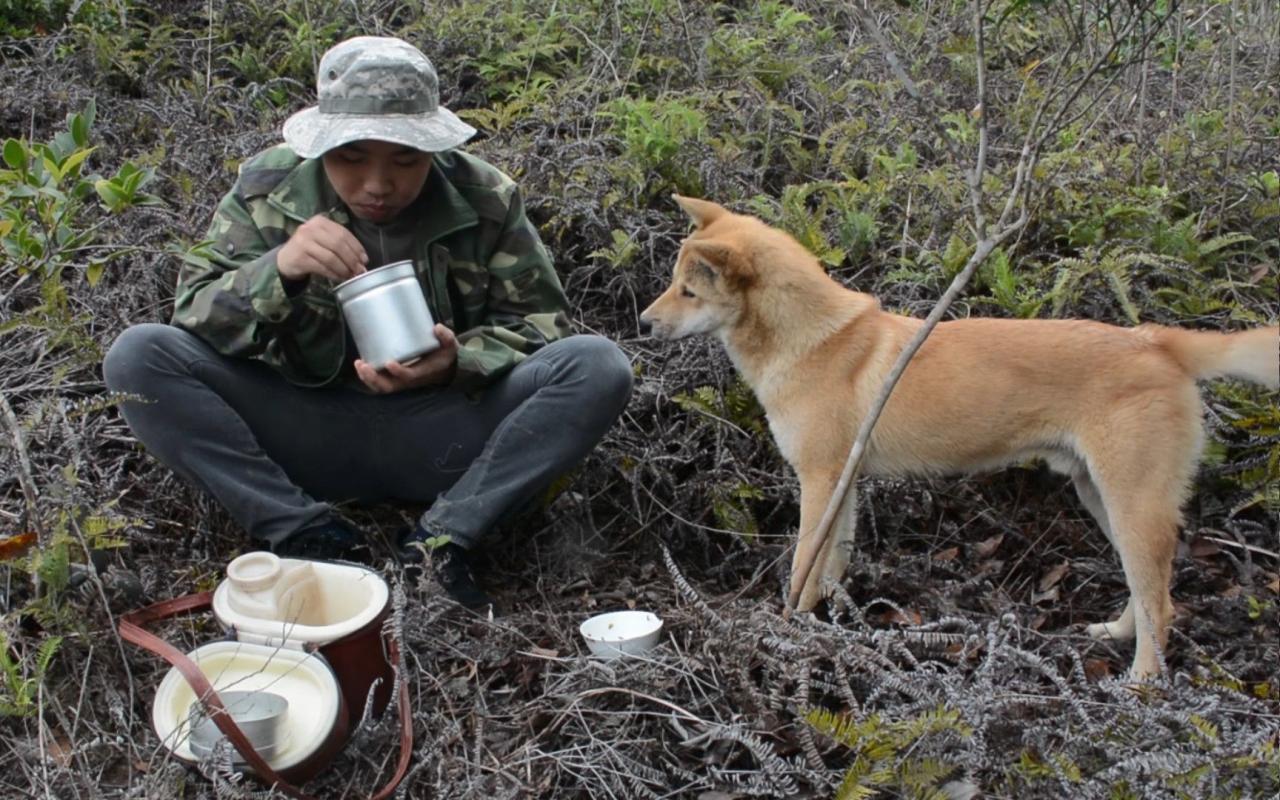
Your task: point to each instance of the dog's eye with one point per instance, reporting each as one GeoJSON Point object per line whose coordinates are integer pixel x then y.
{"type": "Point", "coordinates": [684, 290]}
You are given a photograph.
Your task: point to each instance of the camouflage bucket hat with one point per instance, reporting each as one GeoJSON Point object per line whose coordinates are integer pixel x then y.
{"type": "Point", "coordinates": [375, 87]}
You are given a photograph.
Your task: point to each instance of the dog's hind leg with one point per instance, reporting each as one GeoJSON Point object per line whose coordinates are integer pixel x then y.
{"type": "Point", "coordinates": [1121, 627]}
{"type": "Point", "coordinates": [1141, 464]}
{"type": "Point", "coordinates": [1146, 531]}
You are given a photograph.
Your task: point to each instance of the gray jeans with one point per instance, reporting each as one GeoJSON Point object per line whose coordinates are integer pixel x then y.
{"type": "Point", "coordinates": [271, 453]}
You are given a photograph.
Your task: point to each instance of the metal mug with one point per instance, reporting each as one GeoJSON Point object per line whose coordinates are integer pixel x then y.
{"type": "Point", "coordinates": [387, 314]}
{"type": "Point", "coordinates": [259, 714]}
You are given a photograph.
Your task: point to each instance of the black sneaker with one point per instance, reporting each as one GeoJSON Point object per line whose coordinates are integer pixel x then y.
{"type": "Point", "coordinates": [411, 544]}
{"type": "Point", "coordinates": [451, 564]}
{"type": "Point", "coordinates": [329, 541]}
{"type": "Point", "coordinates": [452, 567]}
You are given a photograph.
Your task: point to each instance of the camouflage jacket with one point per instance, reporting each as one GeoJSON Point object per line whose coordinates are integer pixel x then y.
{"type": "Point", "coordinates": [483, 269]}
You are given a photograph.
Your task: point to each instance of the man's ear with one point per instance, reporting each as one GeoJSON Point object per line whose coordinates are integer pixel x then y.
{"type": "Point", "coordinates": [702, 212]}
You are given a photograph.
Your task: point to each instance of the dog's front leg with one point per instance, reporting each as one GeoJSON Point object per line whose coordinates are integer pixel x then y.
{"type": "Point", "coordinates": [832, 557]}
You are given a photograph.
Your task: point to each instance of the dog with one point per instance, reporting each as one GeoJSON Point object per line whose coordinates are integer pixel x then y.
{"type": "Point", "coordinates": [1116, 409]}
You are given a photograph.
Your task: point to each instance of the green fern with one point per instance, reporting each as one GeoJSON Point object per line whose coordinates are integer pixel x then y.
{"type": "Point", "coordinates": [802, 212]}
{"type": "Point", "coordinates": [1012, 290]}
{"type": "Point", "coordinates": [883, 751]}
{"type": "Point", "coordinates": [1257, 416]}
{"type": "Point", "coordinates": [736, 405]}
{"type": "Point", "coordinates": [1112, 267]}
{"type": "Point", "coordinates": [730, 504]}
{"type": "Point", "coordinates": [19, 698]}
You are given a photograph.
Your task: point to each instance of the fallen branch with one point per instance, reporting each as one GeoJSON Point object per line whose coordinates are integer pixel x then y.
{"type": "Point", "coordinates": [25, 479]}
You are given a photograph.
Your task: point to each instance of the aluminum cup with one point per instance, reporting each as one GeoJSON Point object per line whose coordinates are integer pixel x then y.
{"type": "Point", "coordinates": [387, 314]}
{"type": "Point", "coordinates": [258, 714]}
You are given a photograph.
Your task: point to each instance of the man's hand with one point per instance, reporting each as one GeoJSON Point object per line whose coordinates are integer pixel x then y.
{"type": "Point", "coordinates": [433, 369]}
{"type": "Point", "coordinates": [321, 246]}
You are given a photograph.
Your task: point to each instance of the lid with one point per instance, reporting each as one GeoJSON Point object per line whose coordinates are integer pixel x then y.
{"type": "Point", "coordinates": [303, 680]}
{"type": "Point", "coordinates": [253, 572]}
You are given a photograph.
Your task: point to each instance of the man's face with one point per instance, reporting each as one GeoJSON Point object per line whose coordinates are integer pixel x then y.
{"type": "Point", "coordinates": [377, 180]}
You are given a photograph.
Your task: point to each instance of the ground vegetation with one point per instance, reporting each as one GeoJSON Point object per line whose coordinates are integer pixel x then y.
{"type": "Point", "coordinates": [951, 661]}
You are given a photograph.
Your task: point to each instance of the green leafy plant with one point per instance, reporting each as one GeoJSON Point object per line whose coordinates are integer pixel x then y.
{"type": "Point", "coordinates": [802, 212]}
{"type": "Point", "coordinates": [731, 505]}
{"type": "Point", "coordinates": [736, 405]}
{"type": "Point", "coordinates": [885, 752]}
{"type": "Point", "coordinates": [20, 18]}
{"type": "Point", "coordinates": [1013, 290]}
{"type": "Point", "coordinates": [21, 684]}
{"type": "Point", "coordinates": [621, 252]}
{"type": "Point", "coordinates": [1113, 267]}
{"type": "Point", "coordinates": [653, 134]}
{"type": "Point", "coordinates": [1256, 417]}
{"type": "Point", "coordinates": [49, 225]}
{"type": "Point", "coordinates": [45, 220]}
{"type": "Point", "coordinates": [768, 43]}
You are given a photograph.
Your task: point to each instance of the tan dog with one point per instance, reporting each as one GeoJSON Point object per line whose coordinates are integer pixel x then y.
{"type": "Point", "coordinates": [1116, 409]}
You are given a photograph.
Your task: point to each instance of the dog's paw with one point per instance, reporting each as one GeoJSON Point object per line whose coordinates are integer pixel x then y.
{"type": "Point", "coordinates": [1116, 630]}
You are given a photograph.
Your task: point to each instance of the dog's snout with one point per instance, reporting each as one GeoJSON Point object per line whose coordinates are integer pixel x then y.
{"type": "Point", "coordinates": [646, 327]}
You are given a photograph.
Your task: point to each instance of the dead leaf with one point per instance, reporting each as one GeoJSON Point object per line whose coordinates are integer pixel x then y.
{"type": "Point", "coordinates": [946, 555]}
{"type": "Point", "coordinates": [1274, 586]}
{"type": "Point", "coordinates": [631, 604]}
{"type": "Point", "coordinates": [1095, 669]}
{"type": "Point", "coordinates": [1232, 591]}
{"type": "Point", "coordinates": [960, 790]}
{"type": "Point", "coordinates": [1040, 620]}
{"type": "Point", "coordinates": [986, 547]}
{"type": "Point", "coordinates": [542, 652]}
{"type": "Point", "coordinates": [990, 567]}
{"type": "Point", "coordinates": [1051, 578]}
{"type": "Point", "coordinates": [908, 616]}
{"type": "Point", "coordinates": [1203, 548]}
{"type": "Point", "coordinates": [16, 545]}
{"type": "Point", "coordinates": [1050, 596]}
{"type": "Point", "coordinates": [60, 748]}
{"type": "Point", "coordinates": [1259, 272]}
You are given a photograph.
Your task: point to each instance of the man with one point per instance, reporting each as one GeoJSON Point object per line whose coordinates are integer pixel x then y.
{"type": "Point", "coordinates": [255, 392]}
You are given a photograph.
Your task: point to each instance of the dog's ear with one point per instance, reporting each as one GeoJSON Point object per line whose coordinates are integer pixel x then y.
{"type": "Point", "coordinates": [713, 255]}
{"type": "Point", "coordinates": [702, 212]}
{"type": "Point", "coordinates": [720, 259]}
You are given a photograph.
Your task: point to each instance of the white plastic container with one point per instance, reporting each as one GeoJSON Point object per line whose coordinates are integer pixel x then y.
{"type": "Point", "coordinates": [294, 603]}
{"type": "Point", "coordinates": [303, 679]}
{"type": "Point", "coordinates": [308, 631]}
{"type": "Point", "coordinates": [621, 633]}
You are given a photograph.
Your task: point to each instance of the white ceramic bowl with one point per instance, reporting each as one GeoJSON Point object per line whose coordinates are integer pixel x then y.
{"type": "Point", "coordinates": [620, 633]}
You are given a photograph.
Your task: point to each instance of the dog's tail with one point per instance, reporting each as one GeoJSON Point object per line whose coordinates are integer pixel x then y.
{"type": "Point", "coordinates": [1250, 355]}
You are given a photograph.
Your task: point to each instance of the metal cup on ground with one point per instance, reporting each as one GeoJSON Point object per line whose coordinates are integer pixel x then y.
{"type": "Point", "coordinates": [387, 314]}
{"type": "Point", "coordinates": [260, 716]}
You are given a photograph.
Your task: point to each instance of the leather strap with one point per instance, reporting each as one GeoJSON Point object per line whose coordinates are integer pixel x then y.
{"type": "Point", "coordinates": [133, 629]}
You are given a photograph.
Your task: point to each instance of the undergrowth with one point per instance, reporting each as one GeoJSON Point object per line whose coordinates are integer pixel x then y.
{"type": "Point", "coordinates": [951, 664]}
